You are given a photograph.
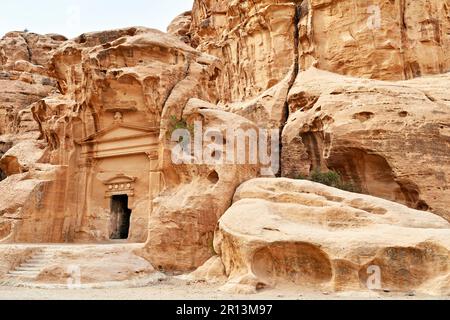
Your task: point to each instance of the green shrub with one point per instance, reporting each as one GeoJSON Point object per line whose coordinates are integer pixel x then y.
{"type": "Point", "coordinates": [332, 179]}
{"type": "Point", "coordinates": [350, 187]}
{"type": "Point", "coordinates": [176, 124]}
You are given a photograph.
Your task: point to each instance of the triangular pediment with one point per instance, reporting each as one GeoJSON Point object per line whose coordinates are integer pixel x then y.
{"type": "Point", "coordinates": [120, 178]}
{"type": "Point", "coordinates": [121, 131]}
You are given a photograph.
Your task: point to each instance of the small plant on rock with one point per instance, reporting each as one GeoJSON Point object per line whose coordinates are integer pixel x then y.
{"type": "Point", "coordinates": [176, 124]}
{"type": "Point", "coordinates": [330, 178]}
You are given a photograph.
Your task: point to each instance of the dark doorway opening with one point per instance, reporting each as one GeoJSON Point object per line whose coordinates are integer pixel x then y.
{"type": "Point", "coordinates": [120, 218]}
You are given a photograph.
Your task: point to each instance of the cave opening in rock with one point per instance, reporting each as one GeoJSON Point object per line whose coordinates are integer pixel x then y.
{"type": "Point", "coordinates": [213, 177]}
{"type": "Point", "coordinates": [120, 217]}
{"type": "Point", "coordinates": [3, 175]}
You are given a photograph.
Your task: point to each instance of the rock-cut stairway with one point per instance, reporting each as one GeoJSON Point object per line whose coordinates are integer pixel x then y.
{"type": "Point", "coordinates": [31, 268]}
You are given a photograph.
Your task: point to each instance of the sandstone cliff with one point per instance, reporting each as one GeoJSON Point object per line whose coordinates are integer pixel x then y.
{"type": "Point", "coordinates": [390, 139]}
{"type": "Point", "coordinates": [358, 88]}
{"type": "Point", "coordinates": [137, 74]}
{"type": "Point", "coordinates": [24, 80]}
{"type": "Point", "coordinates": [394, 41]}
{"type": "Point", "coordinates": [260, 40]}
{"type": "Point", "coordinates": [24, 77]}
{"type": "Point", "coordinates": [257, 40]}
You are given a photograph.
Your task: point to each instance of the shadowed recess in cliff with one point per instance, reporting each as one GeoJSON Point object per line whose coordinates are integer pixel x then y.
{"type": "Point", "coordinates": [297, 263]}
{"type": "Point", "coordinates": [373, 175]}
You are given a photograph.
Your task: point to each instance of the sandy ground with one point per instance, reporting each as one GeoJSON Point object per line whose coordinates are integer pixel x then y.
{"type": "Point", "coordinates": [174, 289]}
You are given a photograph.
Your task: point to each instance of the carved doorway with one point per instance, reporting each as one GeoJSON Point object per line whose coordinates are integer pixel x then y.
{"type": "Point", "coordinates": [120, 217]}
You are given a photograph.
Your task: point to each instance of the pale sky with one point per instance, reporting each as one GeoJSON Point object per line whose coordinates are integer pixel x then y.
{"type": "Point", "coordinates": [74, 17]}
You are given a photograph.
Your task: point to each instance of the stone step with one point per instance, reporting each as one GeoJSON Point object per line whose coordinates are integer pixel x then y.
{"type": "Point", "coordinates": [33, 265]}
{"type": "Point", "coordinates": [35, 269]}
{"type": "Point", "coordinates": [39, 262]}
{"type": "Point", "coordinates": [40, 259]}
{"type": "Point", "coordinates": [43, 256]}
{"type": "Point", "coordinates": [23, 271]}
{"type": "Point", "coordinates": [25, 274]}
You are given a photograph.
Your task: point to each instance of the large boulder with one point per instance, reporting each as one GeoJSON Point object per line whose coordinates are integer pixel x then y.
{"type": "Point", "coordinates": [282, 232]}
{"type": "Point", "coordinates": [22, 157]}
{"type": "Point", "coordinates": [18, 193]}
{"type": "Point", "coordinates": [180, 26]}
{"type": "Point", "coordinates": [185, 214]}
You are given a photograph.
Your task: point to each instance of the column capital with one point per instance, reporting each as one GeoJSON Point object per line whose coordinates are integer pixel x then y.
{"type": "Point", "coordinates": [152, 155]}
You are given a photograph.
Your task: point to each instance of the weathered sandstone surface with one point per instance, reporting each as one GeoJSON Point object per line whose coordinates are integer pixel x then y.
{"type": "Point", "coordinates": [260, 40]}
{"type": "Point", "coordinates": [24, 80]}
{"type": "Point", "coordinates": [24, 77]}
{"type": "Point", "coordinates": [28, 47]}
{"type": "Point", "coordinates": [181, 26]}
{"type": "Point", "coordinates": [390, 139]}
{"type": "Point", "coordinates": [23, 156]}
{"type": "Point", "coordinates": [11, 258]}
{"type": "Point", "coordinates": [357, 87]}
{"type": "Point", "coordinates": [392, 40]}
{"type": "Point", "coordinates": [256, 40]}
{"type": "Point", "coordinates": [80, 266]}
{"type": "Point", "coordinates": [94, 265]}
{"type": "Point", "coordinates": [115, 87]}
{"type": "Point", "coordinates": [289, 232]}
{"type": "Point", "coordinates": [213, 271]}
{"type": "Point", "coordinates": [182, 225]}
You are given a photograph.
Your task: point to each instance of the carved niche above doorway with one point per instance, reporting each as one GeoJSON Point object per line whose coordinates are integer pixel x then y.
{"type": "Point", "coordinates": [121, 184]}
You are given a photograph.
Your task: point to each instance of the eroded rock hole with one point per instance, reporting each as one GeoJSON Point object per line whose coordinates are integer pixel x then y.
{"type": "Point", "coordinates": [4, 147]}
{"type": "Point", "coordinates": [363, 116]}
{"type": "Point", "coordinates": [422, 205]}
{"type": "Point", "coordinates": [299, 263]}
{"type": "Point", "coordinates": [3, 175]}
{"type": "Point", "coordinates": [405, 268]}
{"type": "Point", "coordinates": [213, 177]}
